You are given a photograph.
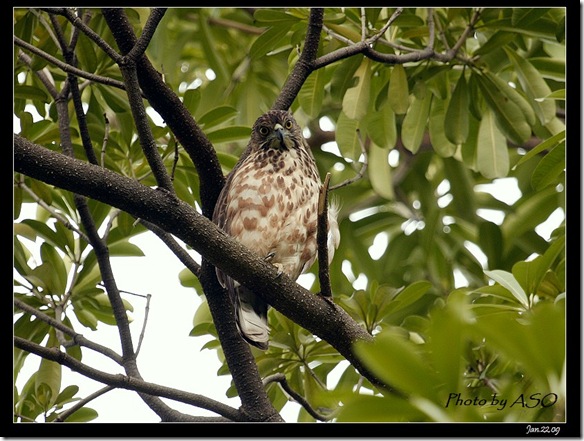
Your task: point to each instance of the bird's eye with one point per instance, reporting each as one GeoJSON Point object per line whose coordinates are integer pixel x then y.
{"type": "Point", "coordinates": [264, 130]}
{"type": "Point", "coordinates": [288, 124]}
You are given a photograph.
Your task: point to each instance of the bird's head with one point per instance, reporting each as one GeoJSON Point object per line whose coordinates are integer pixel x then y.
{"type": "Point", "coordinates": [277, 129]}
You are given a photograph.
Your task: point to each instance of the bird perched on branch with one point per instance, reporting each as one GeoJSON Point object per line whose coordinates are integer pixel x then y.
{"type": "Point", "coordinates": [269, 204]}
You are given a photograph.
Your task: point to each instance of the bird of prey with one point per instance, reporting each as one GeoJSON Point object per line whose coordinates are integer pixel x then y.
{"type": "Point", "coordinates": [269, 204]}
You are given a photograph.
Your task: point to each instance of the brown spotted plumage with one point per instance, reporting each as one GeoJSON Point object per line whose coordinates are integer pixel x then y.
{"type": "Point", "coordinates": [269, 204]}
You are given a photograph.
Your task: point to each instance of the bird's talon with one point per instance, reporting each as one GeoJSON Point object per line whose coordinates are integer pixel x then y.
{"type": "Point", "coordinates": [280, 269]}
{"type": "Point", "coordinates": [269, 256]}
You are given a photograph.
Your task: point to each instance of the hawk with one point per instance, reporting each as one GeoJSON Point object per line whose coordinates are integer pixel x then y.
{"type": "Point", "coordinates": [269, 204]}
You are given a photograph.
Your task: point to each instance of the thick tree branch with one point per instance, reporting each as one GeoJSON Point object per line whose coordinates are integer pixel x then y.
{"type": "Point", "coordinates": [202, 153]}
{"type": "Point", "coordinates": [320, 317]}
{"type": "Point", "coordinates": [304, 65]}
{"type": "Point", "coordinates": [172, 110]}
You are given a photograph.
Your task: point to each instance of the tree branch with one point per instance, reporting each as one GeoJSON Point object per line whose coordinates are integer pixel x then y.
{"type": "Point", "coordinates": [305, 64]}
{"type": "Point", "coordinates": [172, 110]}
{"type": "Point", "coordinates": [321, 239]}
{"type": "Point", "coordinates": [77, 338]}
{"type": "Point", "coordinates": [128, 382]}
{"type": "Point", "coordinates": [327, 321]}
{"type": "Point", "coordinates": [281, 379]}
{"type": "Point", "coordinates": [67, 67]}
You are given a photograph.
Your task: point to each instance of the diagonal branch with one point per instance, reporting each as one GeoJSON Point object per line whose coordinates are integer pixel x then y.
{"type": "Point", "coordinates": [77, 338]}
{"type": "Point", "coordinates": [65, 67]}
{"type": "Point", "coordinates": [173, 111]}
{"type": "Point", "coordinates": [305, 64]}
{"type": "Point", "coordinates": [326, 320]}
{"type": "Point", "coordinates": [129, 383]}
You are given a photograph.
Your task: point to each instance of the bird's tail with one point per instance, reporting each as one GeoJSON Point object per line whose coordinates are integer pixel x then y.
{"type": "Point", "coordinates": [251, 316]}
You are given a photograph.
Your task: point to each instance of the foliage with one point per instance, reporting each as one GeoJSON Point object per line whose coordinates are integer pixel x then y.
{"type": "Point", "coordinates": [436, 132]}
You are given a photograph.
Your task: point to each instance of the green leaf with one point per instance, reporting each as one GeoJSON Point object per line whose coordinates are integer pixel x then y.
{"type": "Point", "coordinates": [447, 337]}
{"type": "Point", "coordinates": [371, 409]}
{"type": "Point", "coordinates": [415, 121]}
{"type": "Point", "coordinates": [537, 343]}
{"type": "Point", "coordinates": [559, 94]}
{"type": "Point", "coordinates": [86, 318]}
{"type": "Point", "coordinates": [191, 100]}
{"type": "Point", "coordinates": [507, 280]}
{"type": "Point", "coordinates": [125, 248]}
{"type": "Point", "coordinates": [82, 415]}
{"type": "Point", "coordinates": [229, 134]}
{"type": "Point", "coordinates": [525, 16]}
{"type": "Point", "coordinates": [547, 144]}
{"type": "Point", "coordinates": [343, 75]}
{"type": "Point", "coordinates": [356, 99]}
{"type": "Point", "coordinates": [514, 96]}
{"type": "Point", "coordinates": [49, 375]}
{"type": "Point", "coordinates": [529, 212]}
{"type": "Point", "coordinates": [347, 137]}
{"type": "Point", "coordinates": [398, 93]}
{"type": "Point", "coordinates": [56, 277]}
{"type": "Point", "coordinates": [530, 273]}
{"type": "Point", "coordinates": [492, 153]}
{"type": "Point", "coordinates": [268, 41]}
{"type": "Point", "coordinates": [67, 394]}
{"type": "Point", "coordinates": [399, 363]}
{"type": "Point", "coordinates": [114, 99]}
{"type": "Point", "coordinates": [381, 128]}
{"type": "Point", "coordinates": [85, 53]}
{"type": "Point", "coordinates": [438, 131]}
{"type": "Point", "coordinates": [534, 86]}
{"type": "Point", "coordinates": [509, 116]}
{"type": "Point", "coordinates": [210, 51]}
{"type": "Point", "coordinates": [32, 93]}
{"type": "Point", "coordinates": [312, 93]}
{"type": "Point", "coordinates": [217, 116]}
{"type": "Point", "coordinates": [491, 243]}
{"type": "Point", "coordinates": [380, 172]}
{"type": "Point", "coordinates": [550, 168]}
{"type": "Point", "coordinates": [410, 294]}
{"type": "Point", "coordinates": [273, 16]}
{"type": "Point", "coordinates": [456, 118]}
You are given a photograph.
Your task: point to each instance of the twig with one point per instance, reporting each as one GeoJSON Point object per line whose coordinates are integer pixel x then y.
{"type": "Point", "coordinates": [146, 312]}
{"type": "Point", "coordinates": [77, 338]}
{"type": "Point", "coordinates": [386, 26]}
{"type": "Point", "coordinates": [105, 139]}
{"type": "Point", "coordinates": [363, 24]}
{"type": "Point", "coordinates": [53, 212]}
{"type": "Point", "coordinates": [365, 47]}
{"type": "Point", "coordinates": [67, 67]}
{"type": "Point", "coordinates": [66, 414]}
{"type": "Point", "coordinates": [281, 379]}
{"type": "Point", "coordinates": [321, 239]}
{"type": "Point", "coordinates": [174, 246]}
{"type": "Point", "coordinates": [145, 136]}
{"type": "Point", "coordinates": [361, 172]}
{"type": "Point", "coordinates": [143, 331]}
{"type": "Point", "coordinates": [147, 32]}
{"type": "Point", "coordinates": [128, 382]}
{"type": "Point", "coordinates": [92, 35]}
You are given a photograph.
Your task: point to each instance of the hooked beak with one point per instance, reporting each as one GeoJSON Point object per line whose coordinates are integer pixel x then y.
{"type": "Point", "coordinates": [279, 132]}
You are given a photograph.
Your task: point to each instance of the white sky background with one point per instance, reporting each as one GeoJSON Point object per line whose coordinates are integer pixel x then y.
{"type": "Point", "coordinates": [168, 356]}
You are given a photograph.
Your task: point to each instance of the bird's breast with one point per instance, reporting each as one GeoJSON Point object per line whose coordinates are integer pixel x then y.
{"type": "Point", "coordinates": [272, 208]}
